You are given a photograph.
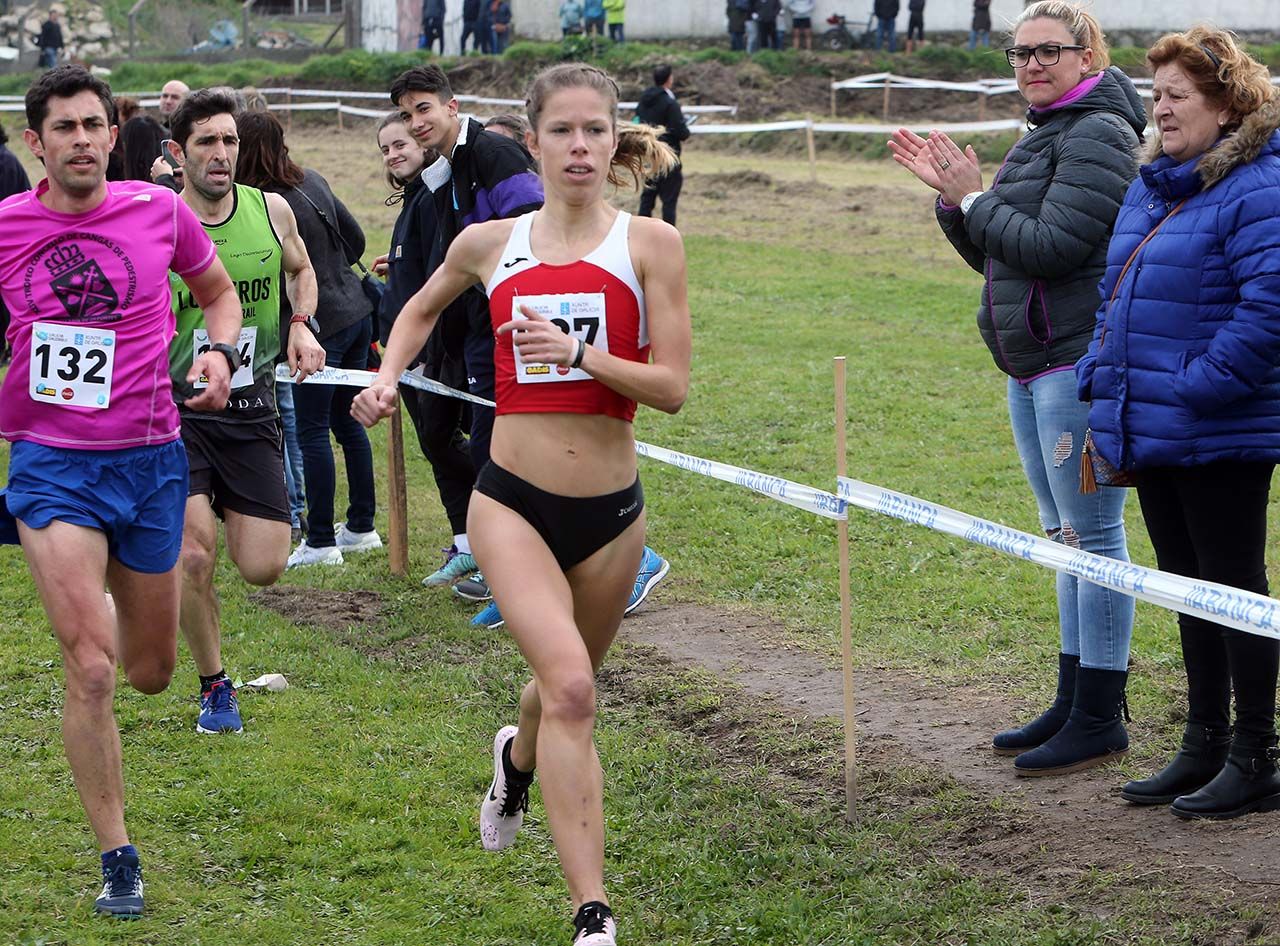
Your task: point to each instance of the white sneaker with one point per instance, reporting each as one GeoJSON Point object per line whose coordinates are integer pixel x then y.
{"type": "Point", "coordinates": [307, 555]}
{"type": "Point", "coordinates": [502, 811]}
{"type": "Point", "coordinates": [356, 541]}
{"type": "Point", "coordinates": [594, 926]}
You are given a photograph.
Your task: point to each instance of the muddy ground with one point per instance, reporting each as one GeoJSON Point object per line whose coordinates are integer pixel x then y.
{"type": "Point", "coordinates": [916, 740]}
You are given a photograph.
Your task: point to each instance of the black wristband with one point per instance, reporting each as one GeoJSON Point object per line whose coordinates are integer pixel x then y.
{"type": "Point", "coordinates": [582, 350]}
{"type": "Point", "coordinates": [232, 356]}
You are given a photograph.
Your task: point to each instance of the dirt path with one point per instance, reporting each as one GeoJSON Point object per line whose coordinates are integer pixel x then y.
{"type": "Point", "coordinates": [1060, 830]}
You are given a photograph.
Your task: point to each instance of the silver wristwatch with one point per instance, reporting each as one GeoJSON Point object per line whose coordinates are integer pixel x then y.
{"type": "Point", "coordinates": [967, 201]}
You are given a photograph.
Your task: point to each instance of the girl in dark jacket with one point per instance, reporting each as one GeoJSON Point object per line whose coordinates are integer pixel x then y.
{"type": "Point", "coordinates": [1039, 235]}
{"type": "Point", "coordinates": [1185, 380]}
{"type": "Point", "coordinates": [345, 318]}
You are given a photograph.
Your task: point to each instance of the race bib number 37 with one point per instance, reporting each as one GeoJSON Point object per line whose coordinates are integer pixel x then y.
{"type": "Point", "coordinates": [71, 365]}
{"type": "Point", "coordinates": [579, 314]}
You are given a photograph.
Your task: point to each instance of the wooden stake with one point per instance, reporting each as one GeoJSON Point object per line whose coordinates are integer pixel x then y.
{"type": "Point", "coordinates": [397, 500]}
{"type": "Point", "coordinates": [833, 101]}
{"type": "Point", "coordinates": [982, 106]}
{"type": "Point", "coordinates": [846, 633]}
{"type": "Point", "coordinates": [813, 151]}
{"type": "Point", "coordinates": [288, 115]}
{"type": "Point", "coordinates": [885, 110]}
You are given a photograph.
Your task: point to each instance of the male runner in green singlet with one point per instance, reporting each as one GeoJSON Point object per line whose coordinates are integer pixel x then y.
{"type": "Point", "coordinates": [235, 455]}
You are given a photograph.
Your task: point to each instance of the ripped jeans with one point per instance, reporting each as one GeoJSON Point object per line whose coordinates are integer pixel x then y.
{"type": "Point", "coordinates": [1048, 429]}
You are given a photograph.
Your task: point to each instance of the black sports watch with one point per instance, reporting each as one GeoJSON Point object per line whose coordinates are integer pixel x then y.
{"type": "Point", "coordinates": [233, 356]}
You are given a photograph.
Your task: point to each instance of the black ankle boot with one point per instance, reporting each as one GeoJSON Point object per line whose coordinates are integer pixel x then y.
{"type": "Point", "coordinates": [1093, 732]}
{"type": "Point", "coordinates": [1038, 731]}
{"type": "Point", "coordinates": [1248, 782]}
{"type": "Point", "coordinates": [1202, 756]}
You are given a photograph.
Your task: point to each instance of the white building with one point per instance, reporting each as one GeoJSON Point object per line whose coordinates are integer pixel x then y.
{"type": "Point", "coordinates": [393, 24]}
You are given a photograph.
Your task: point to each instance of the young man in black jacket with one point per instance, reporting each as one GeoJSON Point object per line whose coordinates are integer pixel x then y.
{"type": "Point", "coordinates": [658, 106]}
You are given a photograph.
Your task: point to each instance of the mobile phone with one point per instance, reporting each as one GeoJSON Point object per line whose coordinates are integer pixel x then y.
{"type": "Point", "coordinates": [167, 154]}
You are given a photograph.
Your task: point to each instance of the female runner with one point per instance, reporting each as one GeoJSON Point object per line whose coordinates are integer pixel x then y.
{"type": "Point", "coordinates": [591, 314]}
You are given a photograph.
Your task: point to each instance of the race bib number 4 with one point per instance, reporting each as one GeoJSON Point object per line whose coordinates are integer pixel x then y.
{"type": "Point", "coordinates": [579, 314]}
{"type": "Point", "coordinates": [71, 365]}
{"type": "Point", "coordinates": [243, 376]}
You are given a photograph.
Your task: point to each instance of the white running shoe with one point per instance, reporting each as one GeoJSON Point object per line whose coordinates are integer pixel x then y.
{"type": "Point", "coordinates": [594, 925]}
{"type": "Point", "coordinates": [307, 555]}
{"type": "Point", "coordinates": [356, 541]}
{"type": "Point", "coordinates": [502, 811]}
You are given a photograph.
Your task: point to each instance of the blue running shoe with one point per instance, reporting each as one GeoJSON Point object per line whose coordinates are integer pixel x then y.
{"type": "Point", "coordinates": [490, 617]}
{"type": "Point", "coordinates": [653, 568]}
{"type": "Point", "coordinates": [121, 890]}
{"type": "Point", "coordinates": [219, 710]}
{"type": "Point", "coordinates": [457, 565]}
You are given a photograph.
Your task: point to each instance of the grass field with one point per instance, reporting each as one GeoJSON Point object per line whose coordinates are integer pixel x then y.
{"type": "Point", "coordinates": [347, 811]}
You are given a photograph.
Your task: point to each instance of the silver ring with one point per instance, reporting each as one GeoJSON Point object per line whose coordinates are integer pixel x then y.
{"type": "Point", "coordinates": [944, 165]}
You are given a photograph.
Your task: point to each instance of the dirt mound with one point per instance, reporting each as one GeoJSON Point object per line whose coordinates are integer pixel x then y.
{"type": "Point", "coordinates": [333, 610]}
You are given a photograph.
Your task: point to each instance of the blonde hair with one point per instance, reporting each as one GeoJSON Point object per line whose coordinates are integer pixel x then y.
{"type": "Point", "coordinates": [639, 153]}
{"type": "Point", "coordinates": [1081, 24]}
{"type": "Point", "coordinates": [1236, 81]}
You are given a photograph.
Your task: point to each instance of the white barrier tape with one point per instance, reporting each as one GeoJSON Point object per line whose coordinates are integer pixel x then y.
{"type": "Point", "coordinates": [304, 106]}
{"type": "Point", "coordinates": [362, 112]}
{"type": "Point", "coordinates": [804, 497]}
{"type": "Point", "coordinates": [701, 129]}
{"type": "Point", "coordinates": [357, 378]}
{"type": "Point", "coordinates": [1213, 602]}
{"type": "Point", "coordinates": [1007, 124]}
{"type": "Point", "coordinates": [775, 487]}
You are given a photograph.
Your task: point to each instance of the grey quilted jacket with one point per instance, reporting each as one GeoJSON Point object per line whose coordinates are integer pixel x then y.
{"type": "Point", "coordinates": [1039, 235]}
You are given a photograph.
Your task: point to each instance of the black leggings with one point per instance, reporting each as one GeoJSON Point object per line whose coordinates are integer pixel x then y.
{"type": "Point", "coordinates": [1210, 522]}
{"type": "Point", "coordinates": [574, 527]}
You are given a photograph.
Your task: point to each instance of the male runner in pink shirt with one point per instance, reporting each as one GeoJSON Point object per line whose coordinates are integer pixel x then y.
{"type": "Point", "coordinates": [97, 474]}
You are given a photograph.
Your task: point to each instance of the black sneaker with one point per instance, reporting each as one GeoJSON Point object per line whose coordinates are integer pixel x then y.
{"type": "Point", "coordinates": [594, 926]}
{"type": "Point", "coordinates": [474, 588]}
{"type": "Point", "coordinates": [121, 890]}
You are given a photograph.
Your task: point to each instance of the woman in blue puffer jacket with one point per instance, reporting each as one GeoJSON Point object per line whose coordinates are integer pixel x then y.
{"type": "Point", "coordinates": [1184, 376]}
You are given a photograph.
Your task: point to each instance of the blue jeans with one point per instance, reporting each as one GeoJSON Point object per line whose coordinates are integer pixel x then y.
{"type": "Point", "coordinates": [884, 30]}
{"type": "Point", "coordinates": [48, 58]}
{"type": "Point", "coordinates": [293, 477]}
{"type": "Point", "coordinates": [1048, 427]}
{"type": "Point", "coordinates": [324, 407]}
{"type": "Point", "coordinates": [974, 38]}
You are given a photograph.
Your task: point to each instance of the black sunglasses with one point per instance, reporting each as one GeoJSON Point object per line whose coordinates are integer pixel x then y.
{"type": "Point", "coordinates": [1047, 54]}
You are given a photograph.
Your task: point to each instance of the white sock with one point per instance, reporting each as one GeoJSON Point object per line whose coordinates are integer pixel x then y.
{"type": "Point", "coordinates": [463, 546]}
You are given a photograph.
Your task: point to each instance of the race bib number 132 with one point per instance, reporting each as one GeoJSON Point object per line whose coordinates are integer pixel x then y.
{"type": "Point", "coordinates": [71, 365]}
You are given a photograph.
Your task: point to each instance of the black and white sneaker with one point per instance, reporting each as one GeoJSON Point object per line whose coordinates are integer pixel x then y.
{"type": "Point", "coordinates": [502, 811]}
{"type": "Point", "coordinates": [594, 926]}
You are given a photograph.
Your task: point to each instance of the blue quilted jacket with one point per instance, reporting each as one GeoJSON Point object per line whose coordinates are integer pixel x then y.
{"type": "Point", "coordinates": [1184, 366]}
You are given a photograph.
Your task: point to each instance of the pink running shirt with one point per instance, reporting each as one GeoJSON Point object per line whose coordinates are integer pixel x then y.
{"type": "Point", "coordinates": [90, 316]}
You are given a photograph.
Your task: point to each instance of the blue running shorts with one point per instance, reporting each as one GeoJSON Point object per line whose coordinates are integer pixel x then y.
{"type": "Point", "coordinates": [137, 497]}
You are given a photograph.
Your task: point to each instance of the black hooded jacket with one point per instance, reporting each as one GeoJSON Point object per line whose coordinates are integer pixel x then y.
{"type": "Point", "coordinates": [657, 106]}
{"type": "Point", "coordinates": [1040, 233]}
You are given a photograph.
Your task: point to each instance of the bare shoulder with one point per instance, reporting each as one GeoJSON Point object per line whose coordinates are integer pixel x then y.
{"type": "Point", "coordinates": [654, 242]}
{"type": "Point", "coordinates": [277, 207]}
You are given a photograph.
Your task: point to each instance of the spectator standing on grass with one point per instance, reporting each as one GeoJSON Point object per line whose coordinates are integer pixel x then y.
{"type": "Point", "coordinates": [484, 28]}
{"type": "Point", "coordinates": [886, 12]}
{"type": "Point", "coordinates": [593, 17]}
{"type": "Point", "coordinates": [344, 318]}
{"type": "Point", "coordinates": [615, 12]}
{"type": "Point", "coordinates": [500, 23]}
{"type": "Point", "coordinates": [980, 31]}
{"type": "Point", "coordinates": [766, 16]}
{"type": "Point", "coordinates": [1039, 234]}
{"type": "Point", "coordinates": [433, 13]}
{"type": "Point", "coordinates": [471, 27]}
{"type": "Point", "coordinates": [50, 41]}
{"type": "Point", "coordinates": [440, 422]}
{"type": "Point", "coordinates": [658, 107]}
{"type": "Point", "coordinates": [1184, 378]}
{"type": "Point", "coordinates": [915, 25]}
{"type": "Point", "coordinates": [570, 17]}
{"type": "Point", "coordinates": [801, 23]}
{"type": "Point", "coordinates": [738, 13]}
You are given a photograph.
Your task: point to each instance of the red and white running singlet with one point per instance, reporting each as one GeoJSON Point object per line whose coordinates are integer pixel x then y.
{"type": "Point", "coordinates": [597, 299]}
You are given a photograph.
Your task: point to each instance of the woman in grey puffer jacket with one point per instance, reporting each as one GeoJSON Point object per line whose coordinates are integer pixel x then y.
{"type": "Point", "coordinates": [1039, 236]}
